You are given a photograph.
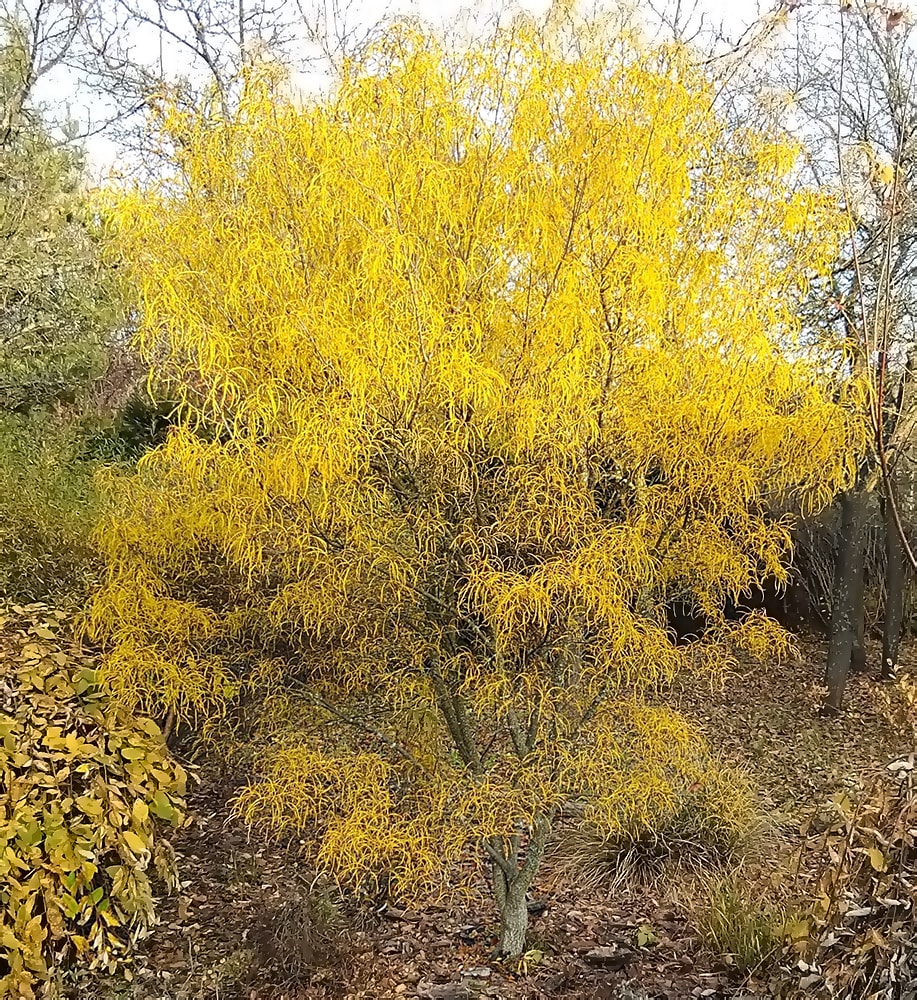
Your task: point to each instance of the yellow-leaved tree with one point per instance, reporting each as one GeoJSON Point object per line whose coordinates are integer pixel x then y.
{"type": "Point", "coordinates": [485, 357]}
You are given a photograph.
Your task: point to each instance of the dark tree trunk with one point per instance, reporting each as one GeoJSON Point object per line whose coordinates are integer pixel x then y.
{"type": "Point", "coordinates": [858, 616]}
{"type": "Point", "coordinates": [848, 574]}
{"type": "Point", "coordinates": [895, 578]}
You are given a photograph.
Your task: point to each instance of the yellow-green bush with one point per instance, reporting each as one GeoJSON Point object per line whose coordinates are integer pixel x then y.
{"type": "Point", "coordinates": [710, 818]}
{"type": "Point", "coordinates": [84, 787]}
{"type": "Point", "coordinates": [48, 506]}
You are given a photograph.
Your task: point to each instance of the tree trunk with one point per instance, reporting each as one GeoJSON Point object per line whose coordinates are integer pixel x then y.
{"type": "Point", "coordinates": [858, 616]}
{"type": "Point", "coordinates": [848, 569]}
{"type": "Point", "coordinates": [514, 922]}
{"type": "Point", "coordinates": [512, 881]}
{"type": "Point", "coordinates": [895, 575]}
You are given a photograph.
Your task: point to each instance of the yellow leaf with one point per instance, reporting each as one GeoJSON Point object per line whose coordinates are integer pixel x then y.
{"type": "Point", "coordinates": [798, 930]}
{"type": "Point", "coordinates": [140, 812]}
{"type": "Point", "coordinates": [876, 859]}
{"type": "Point", "coordinates": [134, 842]}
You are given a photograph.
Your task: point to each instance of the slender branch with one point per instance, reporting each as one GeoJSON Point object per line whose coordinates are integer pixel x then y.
{"type": "Point", "coordinates": [395, 745]}
{"type": "Point", "coordinates": [496, 855]}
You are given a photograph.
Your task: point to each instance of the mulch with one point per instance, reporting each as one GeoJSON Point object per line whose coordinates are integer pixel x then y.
{"type": "Point", "coordinates": [217, 939]}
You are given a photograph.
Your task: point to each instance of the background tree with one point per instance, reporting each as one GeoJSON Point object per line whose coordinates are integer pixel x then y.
{"type": "Point", "coordinates": [844, 85]}
{"type": "Point", "coordinates": [484, 359]}
{"type": "Point", "coordinates": [130, 53]}
{"type": "Point", "coordinates": [58, 317]}
{"type": "Point", "coordinates": [55, 305]}
{"type": "Point", "coordinates": [42, 35]}
{"type": "Point", "coordinates": [135, 51]}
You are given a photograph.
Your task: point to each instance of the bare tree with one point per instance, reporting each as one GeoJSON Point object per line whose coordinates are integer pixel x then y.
{"type": "Point", "coordinates": [844, 83]}
{"type": "Point", "coordinates": [130, 52]}
{"type": "Point", "coordinates": [44, 32]}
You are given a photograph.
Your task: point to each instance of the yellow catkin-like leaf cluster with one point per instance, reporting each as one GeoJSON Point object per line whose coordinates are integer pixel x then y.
{"type": "Point", "coordinates": [485, 357]}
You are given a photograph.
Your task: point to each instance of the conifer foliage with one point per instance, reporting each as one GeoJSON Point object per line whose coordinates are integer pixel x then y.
{"type": "Point", "coordinates": [485, 357]}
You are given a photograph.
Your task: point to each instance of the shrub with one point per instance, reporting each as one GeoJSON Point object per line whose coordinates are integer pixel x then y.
{"type": "Point", "coordinates": [49, 499]}
{"type": "Point", "coordinates": [47, 508]}
{"type": "Point", "coordinates": [302, 933]}
{"type": "Point", "coordinates": [84, 784]}
{"type": "Point", "coordinates": [710, 819]}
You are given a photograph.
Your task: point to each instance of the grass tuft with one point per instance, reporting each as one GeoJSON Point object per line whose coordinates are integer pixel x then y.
{"type": "Point", "coordinates": [712, 822]}
{"type": "Point", "coordinates": [736, 919]}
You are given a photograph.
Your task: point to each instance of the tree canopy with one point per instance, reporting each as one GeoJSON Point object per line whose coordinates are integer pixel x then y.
{"type": "Point", "coordinates": [486, 358]}
{"type": "Point", "coordinates": [56, 303]}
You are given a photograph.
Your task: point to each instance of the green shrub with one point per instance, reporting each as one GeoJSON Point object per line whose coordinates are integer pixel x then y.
{"type": "Point", "coordinates": [48, 504]}
{"type": "Point", "coordinates": [85, 787]}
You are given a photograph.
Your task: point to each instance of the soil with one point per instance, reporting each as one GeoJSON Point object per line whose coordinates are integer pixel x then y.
{"type": "Point", "coordinates": [244, 925]}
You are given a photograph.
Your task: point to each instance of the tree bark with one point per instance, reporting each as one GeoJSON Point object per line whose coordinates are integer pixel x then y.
{"type": "Point", "coordinates": [848, 570]}
{"type": "Point", "coordinates": [514, 922]}
{"type": "Point", "coordinates": [895, 576]}
{"type": "Point", "coordinates": [858, 616]}
{"type": "Point", "coordinates": [512, 881]}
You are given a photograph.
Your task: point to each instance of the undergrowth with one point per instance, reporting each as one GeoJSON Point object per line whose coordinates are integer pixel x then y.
{"type": "Point", "coordinates": [739, 919]}
{"type": "Point", "coordinates": [711, 822]}
{"type": "Point", "coordinates": [48, 505]}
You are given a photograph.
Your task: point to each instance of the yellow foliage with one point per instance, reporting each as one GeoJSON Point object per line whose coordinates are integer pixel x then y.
{"type": "Point", "coordinates": [485, 356]}
{"type": "Point", "coordinates": [84, 783]}
{"type": "Point", "coordinates": [411, 818]}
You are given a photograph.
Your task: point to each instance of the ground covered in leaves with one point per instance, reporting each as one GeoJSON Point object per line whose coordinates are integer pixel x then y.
{"type": "Point", "coordinates": [251, 922]}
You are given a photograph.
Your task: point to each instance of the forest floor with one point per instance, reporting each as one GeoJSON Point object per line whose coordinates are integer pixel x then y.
{"type": "Point", "coordinates": [239, 929]}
